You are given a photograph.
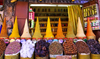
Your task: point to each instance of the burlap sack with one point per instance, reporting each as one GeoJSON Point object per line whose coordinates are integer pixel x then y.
{"type": "Point", "coordinates": [83, 56]}
{"type": "Point", "coordinates": [95, 56]}
{"type": "Point", "coordinates": [41, 57]}
{"type": "Point", "coordinates": [1, 56]}
{"type": "Point", "coordinates": [28, 58]}
{"type": "Point", "coordinates": [12, 56]}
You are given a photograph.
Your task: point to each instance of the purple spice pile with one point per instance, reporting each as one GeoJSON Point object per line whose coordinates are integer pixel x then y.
{"type": "Point", "coordinates": [42, 48]}
{"type": "Point", "coordinates": [13, 47]}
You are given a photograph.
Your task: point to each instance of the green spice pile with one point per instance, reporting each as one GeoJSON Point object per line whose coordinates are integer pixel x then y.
{"type": "Point", "coordinates": [55, 48]}
{"type": "Point", "coordinates": [82, 47]}
{"type": "Point", "coordinates": [2, 47]}
{"type": "Point", "coordinates": [69, 47]}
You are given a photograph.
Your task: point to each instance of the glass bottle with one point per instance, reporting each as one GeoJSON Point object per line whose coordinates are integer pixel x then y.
{"type": "Point", "coordinates": [49, 40]}
{"type": "Point", "coordinates": [18, 39]}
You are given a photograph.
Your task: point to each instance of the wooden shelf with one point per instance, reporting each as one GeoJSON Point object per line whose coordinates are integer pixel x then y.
{"type": "Point", "coordinates": [51, 16]}
{"type": "Point", "coordinates": [52, 32]}
{"type": "Point", "coordinates": [51, 12]}
{"type": "Point", "coordinates": [52, 22]}
{"type": "Point", "coordinates": [46, 27]}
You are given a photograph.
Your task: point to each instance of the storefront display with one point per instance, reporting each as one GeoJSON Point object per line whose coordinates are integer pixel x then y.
{"type": "Point", "coordinates": [92, 12]}
{"type": "Point", "coordinates": [15, 31]}
{"type": "Point", "coordinates": [4, 30]}
{"type": "Point", "coordinates": [26, 33]}
{"type": "Point", "coordinates": [48, 30]}
{"type": "Point", "coordinates": [59, 30]}
{"type": "Point", "coordinates": [37, 33]}
{"type": "Point", "coordinates": [80, 32]}
{"type": "Point", "coordinates": [89, 34]}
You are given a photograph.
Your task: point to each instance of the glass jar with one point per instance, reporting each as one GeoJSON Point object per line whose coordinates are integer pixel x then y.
{"type": "Point", "coordinates": [38, 39]}
{"type": "Point", "coordinates": [18, 39]}
{"type": "Point", "coordinates": [49, 40]}
{"type": "Point", "coordinates": [34, 40]}
{"type": "Point", "coordinates": [7, 41]}
{"type": "Point", "coordinates": [84, 39]}
{"type": "Point", "coordinates": [55, 40]}
{"type": "Point", "coordinates": [12, 40]}
{"type": "Point", "coordinates": [45, 39]}
{"type": "Point", "coordinates": [61, 40]}
{"type": "Point", "coordinates": [22, 40]}
{"type": "Point", "coordinates": [65, 39]}
{"type": "Point", "coordinates": [75, 40]}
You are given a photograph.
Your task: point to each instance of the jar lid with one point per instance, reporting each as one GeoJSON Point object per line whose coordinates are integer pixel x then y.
{"type": "Point", "coordinates": [39, 38]}
{"type": "Point", "coordinates": [44, 38]}
{"type": "Point", "coordinates": [22, 38]}
{"type": "Point", "coordinates": [17, 38]}
{"type": "Point", "coordinates": [84, 37]}
{"type": "Point", "coordinates": [50, 38]}
{"type": "Point", "coordinates": [1, 38]}
{"type": "Point", "coordinates": [55, 38]}
{"type": "Point", "coordinates": [70, 38]}
{"type": "Point", "coordinates": [34, 38]}
{"type": "Point", "coordinates": [80, 38]}
{"type": "Point", "coordinates": [12, 38]}
{"type": "Point", "coordinates": [60, 38]}
{"type": "Point", "coordinates": [65, 38]}
{"type": "Point", "coordinates": [28, 38]}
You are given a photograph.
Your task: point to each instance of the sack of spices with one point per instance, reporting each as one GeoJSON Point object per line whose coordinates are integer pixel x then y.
{"type": "Point", "coordinates": [55, 49]}
{"type": "Point", "coordinates": [27, 50]}
{"type": "Point", "coordinates": [42, 50]}
{"type": "Point", "coordinates": [70, 50]}
{"type": "Point", "coordinates": [94, 47]}
{"type": "Point", "coordinates": [83, 50]}
{"type": "Point", "coordinates": [12, 50]}
{"type": "Point", "coordinates": [2, 48]}
{"type": "Point", "coordinates": [69, 47]}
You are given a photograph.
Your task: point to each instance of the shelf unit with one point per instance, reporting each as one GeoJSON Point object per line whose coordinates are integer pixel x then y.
{"type": "Point", "coordinates": [54, 13]}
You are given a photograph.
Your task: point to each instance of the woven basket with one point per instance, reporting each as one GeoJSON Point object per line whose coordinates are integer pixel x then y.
{"type": "Point", "coordinates": [41, 57]}
{"type": "Point", "coordinates": [91, 37]}
{"type": "Point", "coordinates": [28, 58]}
{"type": "Point", "coordinates": [1, 56]}
{"type": "Point", "coordinates": [95, 56]}
{"type": "Point", "coordinates": [12, 56]}
{"type": "Point", "coordinates": [81, 56]}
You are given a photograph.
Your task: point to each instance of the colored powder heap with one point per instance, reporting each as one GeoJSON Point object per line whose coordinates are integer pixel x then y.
{"type": "Point", "coordinates": [15, 32]}
{"type": "Point", "coordinates": [70, 33]}
{"type": "Point", "coordinates": [26, 33]}
{"type": "Point", "coordinates": [80, 32]}
{"type": "Point", "coordinates": [69, 47]}
{"type": "Point", "coordinates": [59, 31]}
{"type": "Point", "coordinates": [2, 47]}
{"type": "Point", "coordinates": [89, 30]}
{"type": "Point", "coordinates": [4, 30]}
{"type": "Point", "coordinates": [13, 48]}
{"type": "Point", "coordinates": [94, 46]}
{"type": "Point", "coordinates": [27, 49]}
{"type": "Point", "coordinates": [42, 48]}
{"type": "Point", "coordinates": [13, 1]}
{"type": "Point", "coordinates": [55, 48]}
{"type": "Point", "coordinates": [37, 33]}
{"type": "Point", "coordinates": [48, 30]}
{"type": "Point", "coordinates": [82, 47]}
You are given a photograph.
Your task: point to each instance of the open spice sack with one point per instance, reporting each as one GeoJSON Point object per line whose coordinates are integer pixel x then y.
{"type": "Point", "coordinates": [55, 50]}
{"type": "Point", "coordinates": [2, 48]}
{"type": "Point", "coordinates": [94, 47]}
{"type": "Point", "coordinates": [41, 50]}
{"type": "Point", "coordinates": [70, 50]}
{"type": "Point", "coordinates": [83, 50]}
{"type": "Point", "coordinates": [12, 50]}
{"type": "Point", "coordinates": [27, 50]}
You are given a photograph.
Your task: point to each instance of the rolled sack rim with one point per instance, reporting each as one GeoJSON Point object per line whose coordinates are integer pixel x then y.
{"type": "Point", "coordinates": [12, 54]}
{"type": "Point", "coordinates": [84, 53]}
{"type": "Point", "coordinates": [54, 56]}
